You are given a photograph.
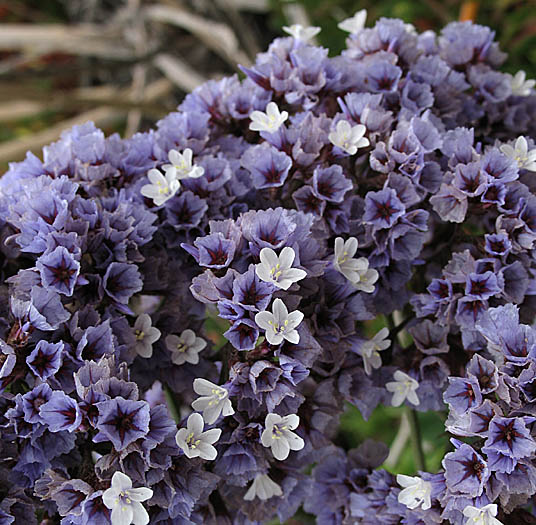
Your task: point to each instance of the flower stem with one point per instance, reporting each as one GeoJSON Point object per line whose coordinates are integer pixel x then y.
{"type": "Point", "coordinates": [170, 401]}
{"type": "Point", "coordinates": [416, 439]}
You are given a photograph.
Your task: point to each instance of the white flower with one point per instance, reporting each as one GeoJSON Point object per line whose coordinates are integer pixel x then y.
{"type": "Point", "coordinates": [520, 153]}
{"type": "Point", "coordinates": [185, 348]}
{"type": "Point", "coordinates": [520, 86]}
{"type": "Point", "coordinates": [301, 33]}
{"type": "Point", "coordinates": [162, 188]}
{"type": "Point", "coordinates": [263, 488]}
{"type": "Point", "coordinates": [279, 436]}
{"type": "Point", "coordinates": [213, 402]}
{"type": "Point", "coordinates": [357, 271]}
{"type": "Point", "coordinates": [196, 443]}
{"type": "Point", "coordinates": [416, 492]}
{"type": "Point", "coordinates": [181, 165]}
{"type": "Point", "coordinates": [354, 24]}
{"type": "Point", "coordinates": [269, 121]}
{"type": "Point", "coordinates": [367, 279]}
{"type": "Point", "coordinates": [146, 335]}
{"type": "Point", "coordinates": [370, 350]}
{"type": "Point", "coordinates": [278, 269]}
{"type": "Point", "coordinates": [403, 387]}
{"type": "Point", "coordinates": [280, 324]}
{"type": "Point", "coordinates": [125, 502]}
{"type": "Point", "coordinates": [483, 516]}
{"type": "Point", "coordinates": [349, 138]}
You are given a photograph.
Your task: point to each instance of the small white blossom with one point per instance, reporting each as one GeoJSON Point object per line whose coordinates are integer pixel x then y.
{"type": "Point", "coordinates": [298, 32]}
{"type": "Point", "coordinates": [263, 488]}
{"type": "Point", "coordinates": [354, 24]}
{"type": "Point", "coordinates": [185, 348]}
{"type": "Point", "coordinates": [403, 387]}
{"type": "Point", "coordinates": [181, 165]}
{"type": "Point", "coordinates": [520, 85]}
{"type": "Point", "coordinates": [145, 335]}
{"type": "Point", "coordinates": [278, 269]}
{"type": "Point", "coordinates": [349, 138]}
{"type": "Point", "coordinates": [125, 502]}
{"type": "Point", "coordinates": [162, 188]}
{"type": "Point", "coordinates": [357, 271]}
{"type": "Point", "coordinates": [280, 324]}
{"type": "Point", "coordinates": [196, 443]}
{"type": "Point", "coordinates": [214, 400]}
{"type": "Point", "coordinates": [270, 121]}
{"type": "Point", "coordinates": [483, 516]}
{"type": "Point", "coordinates": [279, 436]}
{"type": "Point", "coordinates": [370, 350]}
{"type": "Point", "coordinates": [520, 153]}
{"type": "Point", "coordinates": [416, 492]}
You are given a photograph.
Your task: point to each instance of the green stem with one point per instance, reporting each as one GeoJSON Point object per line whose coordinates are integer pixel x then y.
{"type": "Point", "coordinates": [170, 400]}
{"type": "Point", "coordinates": [416, 439]}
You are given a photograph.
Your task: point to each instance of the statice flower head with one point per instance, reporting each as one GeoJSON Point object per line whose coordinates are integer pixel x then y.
{"type": "Point", "coordinates": [370, 350]}
{"type": "Point", "coordinates": [349, 138]}
{"type": "Point", "coordinates": [301, 33]}
{"type": "Point", "coordinates": [181, 165]}
{"type": "Point", "coordinates": [277, 269]}
{"type": "Point", "coordinates": [278, 435]}
{"type": "Point", "coordinates": [161, 187]}
{"type": "Point", "coordinates": [271, 120]}
{"type": "Point", "coordinates": [263, 488]}
{"type": "Point", "coordinates": [355, 23]}
{"type": "Point", "coordinates": [403, 387]}
{"type": "Point", "coordinates": [145, 335]}
{"type": "Point", "coordinates": [195, 442]}
{"type": "Point", "coordinates": [280, 324]}
{"type": "Point", "coordinates": [185, 348]}
{"type": "Point", "coordinates": [415, 493]}
{"type": "Point", "coordinates": [125, 502]}
{"type": "Point", "coordinates": [520, 152]}
{"type": "Point", "coordinates": [522, 86]}
{"type": "Point", "coordinates": [214, 400]}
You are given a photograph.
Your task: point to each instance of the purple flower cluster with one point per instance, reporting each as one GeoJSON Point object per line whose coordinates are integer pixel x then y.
{"type": "Point", "coordinates": [287, 209]}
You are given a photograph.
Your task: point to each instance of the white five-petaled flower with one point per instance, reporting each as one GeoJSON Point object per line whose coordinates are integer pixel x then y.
{"type": "Point", "coordinates": [162, 188]}
{"type": "Point", "coordinates": [181, 166]}
{"type": "Point", "coordinates": [145, 335]}
{"type": "Point", "coordinates": [299, 32]}
{"type": "Point", "coordinates": [263, 488]}
{"type": "Point", "coordinates": [357, 271]}
{"type": "Point", "coordinates": [214, 400]}
{"type": "Point", "coordinates": [416, 492]}
{"type": "Point", "coordinates": [279, 436]}
{"type": "Point", "coordinates": [280, 324]}
{"type": "Point", "coordinates": [355, 23]}
{"type": "Point", "coordinates": [270, 121]}
{"type": "Point", "coordinates": [277, 269]}
{"type": "Point", "coordinates": [481, 516]}
{"type": "Point", "coordinates": [370, 350]}
{"type": "Point", "coordinates": [403, 387]}
{"type": "Point", "coordinates": [520, 153]}
{"type": "Point", "coordinates": [196, 443]}
{"type": "Point", "coordinates": [125, 502]}
{"type": "Point", "coordinates": [349, 138]}
{"type": "Point", "coordinates": [520, 85]}
{"type": "Point", "coordinates": [185, 348]}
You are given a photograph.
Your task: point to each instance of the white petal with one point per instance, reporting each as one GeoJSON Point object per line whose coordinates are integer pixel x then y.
{"type": "Point", "coordinates": [211, 436]}
{"type": "Point", "coordinates": [263, 319]}
{"type": "Point", "coordinates": [286, 257]}
{"type": "Point", "coordinates": [195, 424]}
{"type": "Point", "coordinates": [280, 449]}
{"type": "Point", "coordinates": [156, 177]}
{"type": "Point", "coordinates": [266, 437]}
{"type": "Point", "coordinates": [203, 387]}
{"type": "Point", "coordinates": [295, 442]}
{"type": "Point", "coordinates": [295, 274]}
{"type": "Point", "coordinates": [109, 497]}
{"type": "Point", "coordinates": [121, 481]}
{"type": "Point", "coordinates": [140, 494]}
{"type": "Point", "coordinates": [228, 409]}
{"type": "Point", "coordinates": [273, 338]}
{"type": "Point", "coordinates": [122, 515]}
{"type": "Point", "coordinates": [140, 515]}
{"type": "Point", "coordinates": [292, 337]}
{"type": "Point", "coordinates": [207, 451]}
{"type": "Point", "coordinates": [211, 413]}
{"type": "Point", "coordinates": [188, 337]}
{"type": "Point", "coordinates": [280, 311]}
{"type": "Point", "coordinates": [268, 257]}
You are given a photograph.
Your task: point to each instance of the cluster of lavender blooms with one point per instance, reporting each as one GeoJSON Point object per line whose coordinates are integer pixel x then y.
{"type": "Point", "coordinates": [395, 180]}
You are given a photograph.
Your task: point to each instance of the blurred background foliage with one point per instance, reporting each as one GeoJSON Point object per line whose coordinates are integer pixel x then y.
{"type": "Point", "coordinates": [126, 63]}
